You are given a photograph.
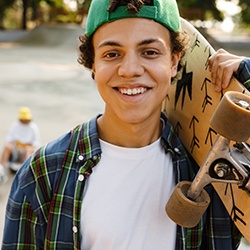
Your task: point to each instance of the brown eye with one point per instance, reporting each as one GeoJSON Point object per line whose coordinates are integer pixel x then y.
{"type": "Point", "coordinates": [150, 52]}
{"type": "Point", "coordinates": [111, 55]}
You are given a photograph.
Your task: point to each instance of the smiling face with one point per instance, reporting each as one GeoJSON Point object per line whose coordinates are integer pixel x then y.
{"type": "Point", "coordinates": [133, 67]}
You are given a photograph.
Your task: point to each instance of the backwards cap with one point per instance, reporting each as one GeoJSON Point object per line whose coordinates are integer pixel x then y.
{"type": "Point", "coordinates": [164, 12]}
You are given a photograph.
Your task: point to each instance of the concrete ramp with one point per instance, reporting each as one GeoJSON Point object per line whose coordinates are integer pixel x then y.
{"type": "Point", "coordinates": [53, 35]}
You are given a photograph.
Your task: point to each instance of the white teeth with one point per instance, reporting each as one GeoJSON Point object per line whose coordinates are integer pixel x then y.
{"type": "Point", "coordinates": [134, 91]}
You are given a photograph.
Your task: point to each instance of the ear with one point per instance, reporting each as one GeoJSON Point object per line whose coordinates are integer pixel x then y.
{"type": "Point", "coordinates": [175, 62]}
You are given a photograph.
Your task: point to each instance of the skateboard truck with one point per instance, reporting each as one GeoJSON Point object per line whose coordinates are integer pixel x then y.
{"type": "Point", "coordinates": [224, 163]}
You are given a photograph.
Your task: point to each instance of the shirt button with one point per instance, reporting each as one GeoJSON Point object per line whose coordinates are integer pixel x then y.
{"type": "Point", "coordinates": [81, 177]}
{"type": "Point", "coordinates": [74, 229]}
{"type": "Point", "coordinates": [176, 150]}
{"type": "Point", "coordinates": [80, 157]}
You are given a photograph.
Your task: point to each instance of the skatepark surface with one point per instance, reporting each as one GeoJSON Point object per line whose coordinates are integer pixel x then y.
{"type": "Point", "coordinates": [39, 69]}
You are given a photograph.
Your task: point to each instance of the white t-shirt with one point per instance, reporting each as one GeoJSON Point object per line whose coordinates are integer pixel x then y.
{"type": "Point", "coordinates": [124, 203]}
{"type": "Point", "coordinates": [24, 133]}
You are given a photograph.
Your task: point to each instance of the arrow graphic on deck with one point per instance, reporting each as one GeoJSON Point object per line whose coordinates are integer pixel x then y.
{"type": "Point", "coordinates": [184, 85]}
{"type": "Point", "coordinates": [196, 42]}
{"type": "Point", "coordinates": [209, 54]}
{"type": "Point", "coordinates": [195, 141]}
{"type": "Point", "coordinates": [207, 99]}
{"type": "Point", "coordinates": [210, 136]}
{"type": "Point", "coordinates": [177, 128]}
{"type": "Point", "coordinates": [236, 213]}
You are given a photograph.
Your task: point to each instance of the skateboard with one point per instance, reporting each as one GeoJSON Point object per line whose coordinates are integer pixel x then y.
{"type": "Point", "coordinates": [215, 129]}
{"type": "Point", "coordinates": [14, 166]}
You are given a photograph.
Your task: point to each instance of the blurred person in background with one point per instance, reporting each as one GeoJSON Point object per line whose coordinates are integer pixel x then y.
{"type": "Point", "coordinates": [22, 140]}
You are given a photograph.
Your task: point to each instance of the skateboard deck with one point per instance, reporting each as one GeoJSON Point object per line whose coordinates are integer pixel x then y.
{"type": "Point", "coordinates": [189, 105]}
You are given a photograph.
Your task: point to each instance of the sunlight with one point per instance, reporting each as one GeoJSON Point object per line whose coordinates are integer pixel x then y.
{"type": "Point", "coordinates": [229, 8]}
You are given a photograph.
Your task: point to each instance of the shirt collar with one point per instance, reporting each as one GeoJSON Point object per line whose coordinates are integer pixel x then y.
{"type": "Point", "coordinates": [169, 139]}
{"type": "Point", "coordinates": [89, 145]}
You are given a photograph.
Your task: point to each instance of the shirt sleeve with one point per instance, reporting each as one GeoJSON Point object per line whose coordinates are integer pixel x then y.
{"type": "Point", "coordinates": [243, 74]}
{"type": "Point", "coordinates": [23, 227]}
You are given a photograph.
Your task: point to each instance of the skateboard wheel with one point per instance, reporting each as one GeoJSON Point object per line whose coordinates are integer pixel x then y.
{"type": "Point", "coordinates": [182, 210]}
{"type": "Point", "coordinates": [232, 116]}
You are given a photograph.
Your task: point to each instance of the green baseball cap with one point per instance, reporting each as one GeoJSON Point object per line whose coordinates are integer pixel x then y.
{"type": "Point", "coordinates": [164, 12]}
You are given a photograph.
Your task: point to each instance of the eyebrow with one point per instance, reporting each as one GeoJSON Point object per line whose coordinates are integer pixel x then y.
{"type": "Point", "coordinates": [144, 42]}
{"type": "Point", "coordinates": [149, 41]}
{"type": "Point", "coordinates": [110, 43]}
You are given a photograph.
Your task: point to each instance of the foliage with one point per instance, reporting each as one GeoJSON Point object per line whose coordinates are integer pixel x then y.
{"type": "Point", "coordinates": [4, 5]}
{"type": "Point", "coordinates": [83, 5]}
{"type": "Point", "coordinates": [245, 13]}
{"type": "Point", "coordinates": [199, 9]}
{"type": "Point", "coordinates": [25, 6]}
{"type": "Point", "coordinates": [38, 11]}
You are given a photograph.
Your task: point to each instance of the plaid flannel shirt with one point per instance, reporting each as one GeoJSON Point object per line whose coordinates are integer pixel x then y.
{"type": "Point", "coordinates": [243, 73]}
{"type": "Point", "coordinates": [44, 206]}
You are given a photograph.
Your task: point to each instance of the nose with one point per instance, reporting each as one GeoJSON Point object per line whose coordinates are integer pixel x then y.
{"type": "Point", "coordinates": [131, 66]}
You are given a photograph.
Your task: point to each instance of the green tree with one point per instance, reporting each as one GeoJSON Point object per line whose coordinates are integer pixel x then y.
{"type": "Point", "coordinates": [189, 9]}
{"type": "Point", "coordinates": [4, 5]}
{"type": "Point", "coordinates": [34, 4]}
{"type": "Point", "coordinates": [83, 5]}
{"type": "Point", "coordinates": [82, 8]}
{"type": "Point", "coordinates": [245, 13]}
{"type": "Point", "coordinates": [199, 9]}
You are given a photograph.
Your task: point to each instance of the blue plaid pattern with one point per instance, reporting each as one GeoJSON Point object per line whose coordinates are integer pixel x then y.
{"type": "Point", "coordinates": [243, 74]}
{"type": "Point", "coordinates": [43, 210]}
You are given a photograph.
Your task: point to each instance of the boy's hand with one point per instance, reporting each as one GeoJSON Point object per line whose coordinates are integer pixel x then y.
{"type": "Point", "coordinates": [222, 66]}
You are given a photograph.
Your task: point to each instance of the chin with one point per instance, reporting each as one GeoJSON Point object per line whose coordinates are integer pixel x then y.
{"type": "Point", "coordinates": [134, 118]}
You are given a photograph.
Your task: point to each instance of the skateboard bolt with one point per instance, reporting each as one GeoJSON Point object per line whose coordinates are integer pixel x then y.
{"type": "Point", "coordinates": [243, 104]}
{"type": "Point", "coordinates": [222, 169]}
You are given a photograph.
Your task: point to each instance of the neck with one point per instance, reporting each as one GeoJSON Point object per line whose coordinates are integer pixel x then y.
{"type": "Point", "coordinates": [131, 135]}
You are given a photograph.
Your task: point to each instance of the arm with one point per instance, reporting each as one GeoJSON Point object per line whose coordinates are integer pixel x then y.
{"type": "Point", "coordinates": [224, 65]}
{"type": "Point", "coordinates": [27, 209]}
{"type": "Point", "coordinates": [243, 74]}
{"type": "Point", "coordinates": [21, 223]}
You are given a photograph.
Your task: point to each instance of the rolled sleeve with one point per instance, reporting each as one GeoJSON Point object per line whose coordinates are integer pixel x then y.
{"type": "Point", "coordinates": [243, 74]}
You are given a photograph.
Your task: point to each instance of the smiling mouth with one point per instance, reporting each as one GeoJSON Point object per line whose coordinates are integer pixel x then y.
{"type": "Point", "coordinates": [134, 91]}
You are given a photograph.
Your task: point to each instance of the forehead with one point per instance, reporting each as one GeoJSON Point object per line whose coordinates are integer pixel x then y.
{"type": "Point", "coordinates": [131, 29]}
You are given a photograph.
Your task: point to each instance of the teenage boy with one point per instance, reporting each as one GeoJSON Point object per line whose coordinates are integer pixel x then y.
{"type": "Point", "coordinates": [105, 184]}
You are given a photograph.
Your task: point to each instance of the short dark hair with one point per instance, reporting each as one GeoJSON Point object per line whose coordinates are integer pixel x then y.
{"type": "Point", "coordinates": [133, 6]}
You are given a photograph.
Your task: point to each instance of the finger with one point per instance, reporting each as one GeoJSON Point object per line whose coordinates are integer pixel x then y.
{"type": "Point", "coordinates": [224, 74]}
{"type": "Point", "coordinates": [214, 71]}
{"type": "Point", "coordinates": [214, 62]}
{"type": "Point", "coordinates": [219, 56]}
{"type": "Point", "coordinates": [220, 76]}
{"type": "Point", "coordinates": [218, 82]}
{"type": "Point", "coordinates": [228, 71]}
